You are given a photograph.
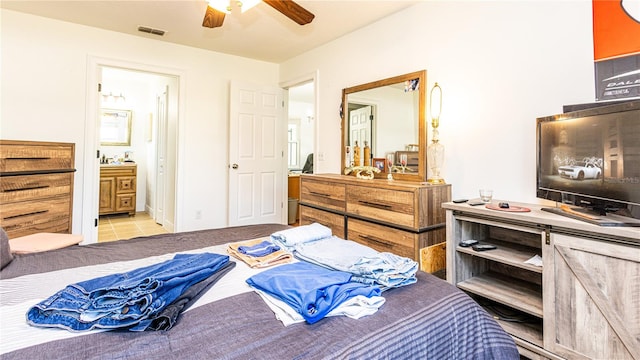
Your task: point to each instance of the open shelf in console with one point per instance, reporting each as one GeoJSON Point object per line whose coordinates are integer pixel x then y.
{"type": "Point", "coordinates": [507, 253]}
{"type": "Point", "coordinates": [523, 326]}
{"type": "Point", "coordinates": [519, 294]}
{"type": "Point", "coordinates": [501, 276]}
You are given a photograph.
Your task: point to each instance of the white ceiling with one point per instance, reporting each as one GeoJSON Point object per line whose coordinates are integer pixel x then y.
{"type": "Point", "coordinates": [260, 33]}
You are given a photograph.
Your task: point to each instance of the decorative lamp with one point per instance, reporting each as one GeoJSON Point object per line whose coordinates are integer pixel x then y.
{"type": "Point", "coordinates": [435, 150]}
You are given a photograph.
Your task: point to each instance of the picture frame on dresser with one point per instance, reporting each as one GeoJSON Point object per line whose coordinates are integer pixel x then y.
{"type": "Point", "coordinates": [115, 127]}
{"type": "Point", "coordinates": [380, 164]}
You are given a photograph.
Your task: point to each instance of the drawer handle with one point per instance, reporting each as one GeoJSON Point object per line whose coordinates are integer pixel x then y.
{"type": "Point", "coordinates": [375, 205]}
{"type": "Point", "coordinates": [27, 188]}
{"type": "Point", "coordinates": [376, 240]}
{"type": "Point", "coordinates": [27, 214]}
{"type": "Point", "coordinates": [319, 194]}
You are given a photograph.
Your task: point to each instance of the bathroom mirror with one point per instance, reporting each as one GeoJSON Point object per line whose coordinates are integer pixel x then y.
{"type": "Point", "coordinates": [115, 127]}
{"type": "Point", "coordinates": [388, 115]}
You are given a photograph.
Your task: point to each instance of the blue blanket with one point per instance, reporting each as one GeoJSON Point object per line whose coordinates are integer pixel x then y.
{"type": "Point", "coordinates": [311, 290]}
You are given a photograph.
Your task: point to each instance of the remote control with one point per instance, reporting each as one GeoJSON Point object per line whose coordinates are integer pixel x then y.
{"type": "Point", "coordinates": [483, 247]}
{"type": "Point", "coordinates": [458, 201]}
{"type": "Point", "coordinates": [476, 203]}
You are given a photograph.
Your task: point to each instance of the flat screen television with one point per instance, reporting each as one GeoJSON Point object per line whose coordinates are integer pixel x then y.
{"type": "Point", "coordinates": [588, 161]}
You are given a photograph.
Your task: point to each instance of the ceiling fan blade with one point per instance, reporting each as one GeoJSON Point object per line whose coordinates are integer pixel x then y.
{"type": "Point", "coordinates": [213, 18]}
{"type": "Point", "coordinates": [292, 10]}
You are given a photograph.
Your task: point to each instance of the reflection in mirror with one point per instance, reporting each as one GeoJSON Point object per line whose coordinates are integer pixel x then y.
{"type": "Point", "coordinates": [385, 120]}
{"type": "Point", "coordinates": [115, 127]}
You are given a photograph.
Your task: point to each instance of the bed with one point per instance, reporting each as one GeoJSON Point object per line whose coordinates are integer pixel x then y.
{"type": "Point", "coordinates": [429, 319]}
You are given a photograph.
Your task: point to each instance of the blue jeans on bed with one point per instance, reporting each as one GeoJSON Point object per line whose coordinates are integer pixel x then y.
{"type": "Point", "coordinates": [128, 299]}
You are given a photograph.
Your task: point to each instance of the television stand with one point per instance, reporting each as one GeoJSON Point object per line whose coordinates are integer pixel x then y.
{"type": "Point", "coordinates": [601, 220]}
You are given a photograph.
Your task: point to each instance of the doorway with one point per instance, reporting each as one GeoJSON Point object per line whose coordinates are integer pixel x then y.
{"type": "Point", "coordinates": [144, 92]}
{"type": "Point", "coordinates": [146, 97]}
{"type": "Point", "coordinates": [301, 127]}
{"type": "Point", "coordinates": [301, 140]}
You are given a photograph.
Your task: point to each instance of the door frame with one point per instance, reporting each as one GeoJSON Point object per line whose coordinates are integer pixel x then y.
{"type": "Point", "coordinates": [160, 156]}
{"type": "Point", "coordinates": [90, 186]}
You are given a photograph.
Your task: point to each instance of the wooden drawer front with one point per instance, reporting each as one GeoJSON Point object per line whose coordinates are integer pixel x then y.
{"type": "Point", "coordinates": [389, 206]}
{"type": "Point", "coordinates": [328, 195]}
{"type": "Point", "coordinates": [383, 238]}
{"type": "Point", "coordinates": [32, 157]}
{"type": "Point", "coordinates": [432, 237]}
{"type": "Point", "coordinates": [118, 170]}
{"type": "Point", "coordinates": [431, 199]}
{"type": "Point", "coordinates": [34, 187]}
{"type": "Point", "coordinates": [28, 217]}
{"type": "Point", "coordinates": [125, 184]}
{"type": "Point", "coordinates": [126, 202]}
{"type": "Point", "coordinates": [310, 215]}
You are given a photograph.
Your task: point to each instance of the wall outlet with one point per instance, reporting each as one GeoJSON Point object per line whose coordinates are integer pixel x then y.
{"type": "Point", "coordinates": [320, 156]}
{"type": "Point", "coordinates": [198, 214]}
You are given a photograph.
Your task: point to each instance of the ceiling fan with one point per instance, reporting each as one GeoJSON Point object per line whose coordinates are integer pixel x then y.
{"type": "Point", "coordinates": [217, 9]}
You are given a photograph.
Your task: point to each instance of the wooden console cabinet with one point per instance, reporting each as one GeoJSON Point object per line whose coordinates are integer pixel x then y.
{"type": "Point", "coordinates": [394, 216]}
{"type": "Point", "coordinates": [583, 302]}
{"type": "Point", "coordinates": [118, 189]}
{"type": "Point", "coordinates": [36, 187]}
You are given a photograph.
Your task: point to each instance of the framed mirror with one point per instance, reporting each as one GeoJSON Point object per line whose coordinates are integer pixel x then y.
{"type": "Point", "coordinates": [115, 127]}
{"type": "Point", "coordinates": [388, 115]}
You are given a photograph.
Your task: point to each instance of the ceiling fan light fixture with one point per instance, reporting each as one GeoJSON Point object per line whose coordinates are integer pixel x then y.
{"type": "Point", "coordinates": [221, 5]}
{"type": "Point", "coordinates": [247, 4]}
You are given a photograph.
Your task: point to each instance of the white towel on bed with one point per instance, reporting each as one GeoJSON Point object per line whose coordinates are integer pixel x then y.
{"type": "Point", "coordinates": [301, 234]}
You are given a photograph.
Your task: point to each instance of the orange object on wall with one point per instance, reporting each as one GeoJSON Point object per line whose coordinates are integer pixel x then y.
{"type": "Point", "coordinates": [615, 31]}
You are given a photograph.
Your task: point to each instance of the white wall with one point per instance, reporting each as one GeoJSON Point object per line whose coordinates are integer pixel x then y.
{"type": "Point", "coordinates": [43, 97]}
{"type": "Point", "coordinates": [500, 64]}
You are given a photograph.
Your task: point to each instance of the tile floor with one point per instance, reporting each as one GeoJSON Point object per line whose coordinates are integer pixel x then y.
{"type": "Point", "coordinates": [123, 227]}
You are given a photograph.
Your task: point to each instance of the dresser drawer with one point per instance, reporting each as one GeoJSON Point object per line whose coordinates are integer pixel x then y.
{"type": "Point", "coordinates": [395, 207]}
{"type": "Point", "coordinates": [125, 184]}
{"type": "Point", "coordinates": [118, 170]}
{"type": "Point", "coordinates": [35, 157]}
{"type": "Point", "coordinates": [125, 202]}
{"type": "Point", "coordinates": [33, 216]}
{"type": "Point", "coordinates": [328, 195]}
{"type": "Point", "coordinates": [382, 238]}
{"type": "Point", "coordinates": [310, 215]}
{"type": "Point", "coordinates": [34, 187]}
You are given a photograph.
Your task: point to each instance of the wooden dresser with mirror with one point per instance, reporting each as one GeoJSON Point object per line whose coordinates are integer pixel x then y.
{"type": "Point", "coordinates": [401, 214]}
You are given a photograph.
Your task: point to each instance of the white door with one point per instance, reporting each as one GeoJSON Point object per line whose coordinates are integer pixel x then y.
{"type": "Point", "coordinates": [257, 150]}
{"type": "Point", "coordinates": [360, 129]}
{"type": "Point", "coordinates": [161, 148]}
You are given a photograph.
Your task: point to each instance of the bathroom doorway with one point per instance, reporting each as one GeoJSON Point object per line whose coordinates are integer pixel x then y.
{"type": "Point", "coordinates": [137, 89]}
{"type": "Point", "coordinates": [146, 96]}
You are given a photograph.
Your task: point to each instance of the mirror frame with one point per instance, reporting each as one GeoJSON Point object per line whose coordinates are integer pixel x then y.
{"type": "Point", "coordinates": [422, 126]}
{"type": "Point", "coordinates": [120, 120]}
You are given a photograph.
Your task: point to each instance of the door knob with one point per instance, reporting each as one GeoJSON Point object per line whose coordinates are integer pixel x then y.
{"type": "Point", "coordinates": [234, 166]}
